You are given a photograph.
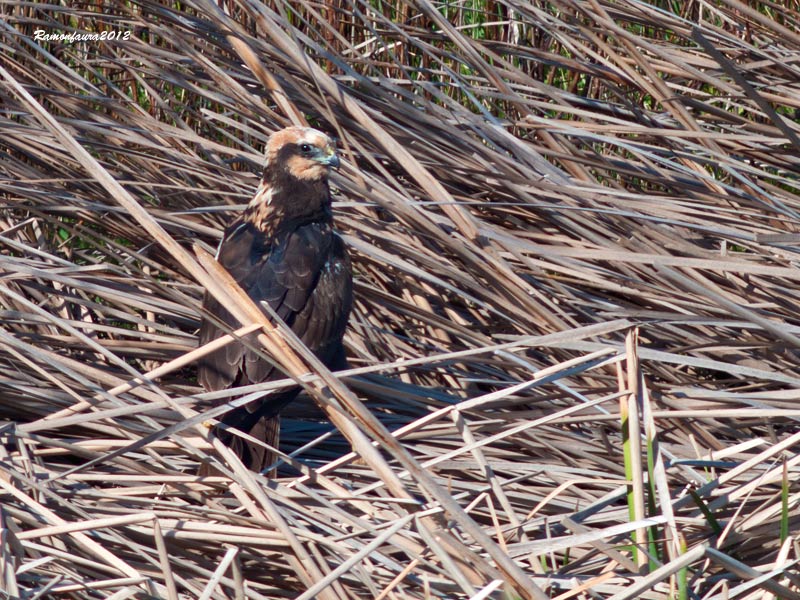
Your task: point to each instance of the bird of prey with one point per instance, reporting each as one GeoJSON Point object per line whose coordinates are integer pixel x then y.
{"type": "Point", "coordinates": [283, 251]}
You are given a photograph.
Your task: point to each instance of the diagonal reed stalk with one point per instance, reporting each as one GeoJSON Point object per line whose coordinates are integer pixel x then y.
{"type": "Point", "coordinates": [525, 185]}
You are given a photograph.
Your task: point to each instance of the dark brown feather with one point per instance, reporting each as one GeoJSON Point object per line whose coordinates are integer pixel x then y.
{"type": "Point", "coordinates": [283, 251]}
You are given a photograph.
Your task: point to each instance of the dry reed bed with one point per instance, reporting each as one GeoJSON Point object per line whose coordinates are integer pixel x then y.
{"type": "Point", "coordinates": [525, 184]}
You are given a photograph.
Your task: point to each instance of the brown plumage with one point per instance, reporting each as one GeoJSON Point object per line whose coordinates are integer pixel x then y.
{"type": "Point", "coordinates": [284, 251]}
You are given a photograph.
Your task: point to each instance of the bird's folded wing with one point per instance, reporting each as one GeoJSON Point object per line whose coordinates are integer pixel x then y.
{"type": "Point", "coordinates": [304, 275]}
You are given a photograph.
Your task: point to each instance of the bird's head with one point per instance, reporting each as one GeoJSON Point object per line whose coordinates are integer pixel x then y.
{"type": "Point", "coordinates": [302, 153]}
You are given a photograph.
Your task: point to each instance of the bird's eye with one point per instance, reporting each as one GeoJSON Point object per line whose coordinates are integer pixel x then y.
{"type": "Point", "coordinates": [305, 148]}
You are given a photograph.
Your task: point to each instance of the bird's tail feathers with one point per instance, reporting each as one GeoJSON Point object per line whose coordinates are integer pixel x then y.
{"type": "Point", "coordinates": [253, 455]}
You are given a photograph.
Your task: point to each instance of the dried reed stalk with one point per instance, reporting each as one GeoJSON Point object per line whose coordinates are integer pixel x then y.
{"type": "Point", "coordinates": [524, 184]}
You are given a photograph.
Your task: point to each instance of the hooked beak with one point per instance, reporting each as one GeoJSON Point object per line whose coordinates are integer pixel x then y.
{"type": "Point", "coordinates": [330, 159]}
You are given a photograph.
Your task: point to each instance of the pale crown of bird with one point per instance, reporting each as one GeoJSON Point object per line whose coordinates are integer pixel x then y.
{"type": "Point", "coordinates": [307, 154]}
